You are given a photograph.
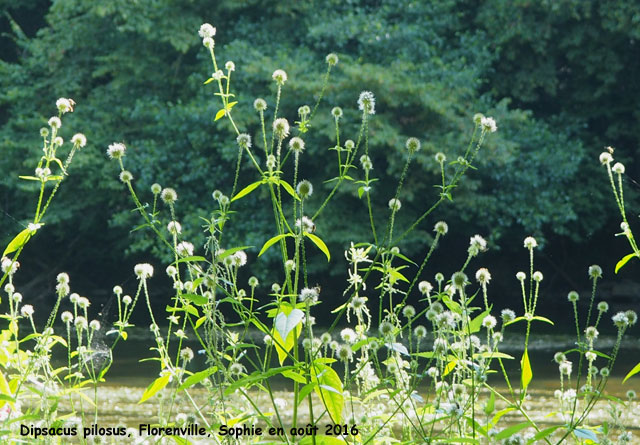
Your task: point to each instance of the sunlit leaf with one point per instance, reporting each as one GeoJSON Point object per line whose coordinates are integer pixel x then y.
{"type": "Point", "coordinates": [320, 244]}
{"type": "Point", "coordinates": [527, 373]}
{"type": "Point", "coordinates": [154, 387]}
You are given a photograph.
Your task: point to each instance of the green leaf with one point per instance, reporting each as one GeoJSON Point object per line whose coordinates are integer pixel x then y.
{"type": "Point", "coordinates": [287, 323]}
{"type": "Point", "coordinates": [30, 178]}
{"type": "Point", "coordinates": [329, 390]}
{"type": "Point", "coordinates": [195, 298]}
{"type": "Point", "coordinates": [634, 371]}
{"type": "Point", "coordinates": [508, 432]}
{"type": "Point", "coordinates": [19, 241]}
{"type": "Point", "coordinates": [254, 377]}
{"type": "Point", "coordinates": [248, 189]}
{"type": "Point", "coordinates": [288, 188]}
{"type": "Point", "coordinates": [546, 432]}
{"type": "Point", "coordinates": [190, 259]}
{"type": "Point", "coordinates": [623, 261]}
{"type": "Point", "coordinates": [230, 105]}
{"type": "Point", "coordinates": [527, 373]}
{"type": "Point", "coordinates": [583, 433]}
{"type": "Point", "coordinates": [220, 114]}
{"type": "Point", "coordinates": [491, 404]}
{"type": "Point", "coordinates": [270, 242]}
{"type": "Point", "coordinates": [546, 320]}
{"type": "Point", "coordinates": [231, 251]}
{"type": "Point", "coordinates": [319, 243]}
{"type": "Point", "coordinates": [197, 378]}
{"type": "Point", "coordinates": [360, 191]}
{"type": "Point", "coordinates": [208, 81]}
{"type": "Point", "coordinates": [476, 323]}
{"type": "Point", "coordinates": [154, 387]}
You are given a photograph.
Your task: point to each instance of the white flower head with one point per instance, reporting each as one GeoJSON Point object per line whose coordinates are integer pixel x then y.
{"type": "Point", "coordinates": [174, 228]}
{"type": "Point", "coordinates": [618, 168]}
{"type": "Point", "coordinates": [281, 128]}
{"type": "Point", "coordinates": [367, 102]}
{"type": "Point", "coordinates": [79, 140]}
{"type": "Point", "coordinates": [116, 150]}
{"type": "Point", "coordinates": [185, 248]}
{"type": "Point", "coordinates": [489, 124]}
{"type": "Point", "coordinates": [64, 105]}
{"type": "Point", "coordinates": [605, 158]}
{"type": "Point", "coordinates": [206, 30]}
{"type": "Point", "coordinates": [280, 76]}
{"type": "Point", "coordinates": [143, 271]}
{"type": "Point", "coordinates": [26, 310]}
{"type": "Point", "coordinates": [55, 122]}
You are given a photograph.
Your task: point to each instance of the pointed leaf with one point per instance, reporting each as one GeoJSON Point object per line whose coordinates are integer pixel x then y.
{"type": "Point", "coordinates": [19, 241]}
{"type": "Point", "coordinates": [527, 373]}
{"type": "Point", "coordinates": [320, 244]}
{"type": "Point", "coordinates": [329, 390]}
{"type": "Point", "coordinates": [248, 189]}
{"type": "Point", "coordinates": [154, 387]}
{"type": "Point", "coordinates": [288, 188]}
{"type": "Point", "coordinates": [220, 114]}
{"type": "Point", "coordinates": [197, 377]}
{"type": "Point", "coordinates": [230, 105]}
{"type": "Point", "coordinates": [208, 81]}
{"type": "Point", "coordinates": [271, 241]}
{"type": "Point", "coordinates": [623, 261]}
{"type": "Point", "coordinates": [634, 371]}
{"type": "Point", "coordinates": [287, 323]}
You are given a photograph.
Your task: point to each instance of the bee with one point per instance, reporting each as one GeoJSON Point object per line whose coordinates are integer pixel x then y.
{"type": "Point", "coordinates": [317, 288]}
{"type": "Point", "coordinates": [609, 149]}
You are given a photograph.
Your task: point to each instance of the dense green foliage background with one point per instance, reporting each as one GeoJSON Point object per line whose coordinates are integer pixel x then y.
{"type": "Point", "coordinates": [560, 77]}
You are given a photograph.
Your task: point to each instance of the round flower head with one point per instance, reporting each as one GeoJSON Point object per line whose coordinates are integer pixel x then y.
{"type": "Point", "coordinates": [185, 248]}
{"type": "Point", "coordinates": [296, 145]}
{"type": "Point", "coordinates": [385, 328]}
{"type": "Point", "coordinates": [344, 352]}
{"type": "Point", "coordinates": [208, 42]}
{"type": "Point", "coordinates": [79, 140]}
{"type": "Point", "coordinates": [489, 124]}
{"type": "Point", "coordinates": [413, 145]}
{"type": "Point", "coordinates": [304, 111]}
{"type": "Point", "coordinates": [409, 311]}
{"type": "Point", "coordinates": [425, 287]}
{"type": "Point", "coordinates": [236, 369]}
{"type": "Point", "coordinates": [459, 280]}
{"type": "Point", "coordinates": [420, 332]}
{"type": "Point", "coordinates": [440, 157]}
{"type": "Point", "coordinates": [240, 258]}
{"type": "Point", "coordinates": [279, 76]}
{"type": "Point", "coordinates": [67, 317]}
{"type": "Point", "coordinates": [507, 315]}
{"type": "Point", "coordinates": [304, 189]}
{"type": "Point", "coordinates": [605, 158]}
{"type": "Point", "coordinates": [591, 333]}
{"type": "Point", "coordinates": [230, 66]}
{"type": "Point", "coordinates": [186, 355]}
{"type": "Point", "coordinates": [44, 132]}
{"type": "Point", "coordinates": [156, 188]}
{"type": "Point", "coordinates": [55, 122]}
{"type": "Point", "coordinates": [126, 300]}
{"type": "Point", "coordinates": [439, 277]}
{"type": "Point", "coordinates": [336, 112]}
{"type": "Point", "coordinates": [305, 224]}
{"type": "Point", "coordinates": [367, 102]}
{"type": "Point", "coordinates": [618, 168]}
{"type": "Point", "coordinates": [126, 176]}
{"type": "Point", "coordinates": [477, 244]}
{"type": "Point", "coordinates": [308, 295]}
{"type": "Point", "coordinates": [94, 325]}
{"type": "Point", "coordinates": [62, 278]}
{"type": "Point", "coordinates": [573, 296]}
{"type": "Point", "coordinates": [530, 242]}
{"type": "Point", "coordinates": [349, 144]}
{"type": "Point", "coordinates": [632, 317]}
{"type": "Point", "coordinates": [58, 141]}
{"type": "Point", "coordinates": [169, 195]}
{"type": "Point", "coordinates": [595, 271]}
{"type": "Point", "coordinates": [244, 140]}
{"type": "Point", "coordinates": [566, 368]}
{"type": "Point", "coordinates": [253, 282]}
{"type": "Point", "coordinates": [65, 105]}
{"type": "Point", "coordinates": [394, 204]}
{"type": "Point", "coordinates": [26, 310]}
{"type": "Point", "coordinates": [620, 320]}
{"type": "Point", "coordinates": [116, 150]}
{"type": "Point", "coordinates": [206, 30]}
{"type": "Point", "coordinates": [348, 335]}
{"type": "Point", "coordinates": [559, 357]}
{"type": "Point", "coordinates": [521, 276]}
{"type": "Point", "coordinates": [366, 163]}
{"type": "Point", "coordinates": [332, 59]}
{"type": "Point", "coordinates": [271, 162]}
{"type": "Point", "coordinates": [603, 306]}
{"type": "Point", "coordinates": [174, 228]}
{"type": "Point", "coordinates": [483, 276]}
{"type": "Point", "coordinates": [143, 271]}
{"type": "Point", "coordinates": [281, 128]}
{"type": "Point", "coordinates": [259, 104]}
{"type": "Point", "coordinates": [441, 228]}
{"type": "Point", "coordinates": [537, 276]}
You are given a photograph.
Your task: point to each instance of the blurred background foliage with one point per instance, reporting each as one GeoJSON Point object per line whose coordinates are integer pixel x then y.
{"type": "Point", "coordinates": [562, 79]}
